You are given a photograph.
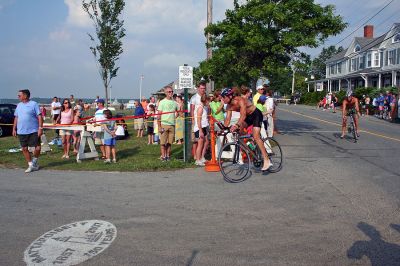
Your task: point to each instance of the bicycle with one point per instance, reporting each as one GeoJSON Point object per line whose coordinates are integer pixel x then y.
{"type": "Point", "coordinates": [352, 126]}
{"type": "Point", "coordinates": [236, 157]}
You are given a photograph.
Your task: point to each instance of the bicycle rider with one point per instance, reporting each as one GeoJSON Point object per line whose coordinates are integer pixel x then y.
{"type": "Point", "coordinates": [350, 106]}
{"type": "Point", "coordinates": [249, 115]}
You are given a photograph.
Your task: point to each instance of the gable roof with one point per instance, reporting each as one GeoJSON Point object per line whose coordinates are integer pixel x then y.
{"type": "Point", "coordinates": [365, 45]}
{"type": "Point", "coordinates": [337, 56]}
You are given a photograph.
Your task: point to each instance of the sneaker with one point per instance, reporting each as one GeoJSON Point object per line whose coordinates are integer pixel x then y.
{"type": "Point", "coordinates": [107, 161]}
{"type": "Point", "coordinates": [167, 159]}
{"type": "Point", "coordinates": [114, 160]}
{"type": "Point", "coordinates": [29, 169]}
{"type": "Point", "coordinates": [32, 168]}
{"type": "Point", "coordinates": [199, 163]}
{"type": "Point", "coordinates": [203, 160]}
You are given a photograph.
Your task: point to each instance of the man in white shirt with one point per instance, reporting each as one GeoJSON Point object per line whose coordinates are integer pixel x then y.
{"type": "Point", "coordinates": [270, 107]}
{"type": "Point", "coordinates": [55, 109]}
{"type": "Point", "coordinates": [55, 112]}
{"type": "Point", "coordinates": [195, 101]}
{"type": "Point", "coordinates": [99, 118]}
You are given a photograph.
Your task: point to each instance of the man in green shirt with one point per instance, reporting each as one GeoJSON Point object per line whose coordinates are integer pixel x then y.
{"type": "Point", "coordinates": [166, 122]}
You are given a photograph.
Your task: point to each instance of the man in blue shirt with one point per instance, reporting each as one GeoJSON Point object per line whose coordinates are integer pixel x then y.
{"type": "Point", "coordinates": [28, 125]}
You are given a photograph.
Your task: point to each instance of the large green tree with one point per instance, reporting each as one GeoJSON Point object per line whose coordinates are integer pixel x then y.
{"type": "Point", "coordinates": [318, 66]}
{"type": "Point", "coordinates": [260, 37]}
{"type": "Point", "coordinates": [107, 46]}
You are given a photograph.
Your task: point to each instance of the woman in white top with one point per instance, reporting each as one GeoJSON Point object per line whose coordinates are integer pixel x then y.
{"type": "Point", "coordinates": [200, 129]}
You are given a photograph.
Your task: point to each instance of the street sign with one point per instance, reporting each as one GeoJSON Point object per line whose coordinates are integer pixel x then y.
{"type": "Point", "coordinates": [185, 77]}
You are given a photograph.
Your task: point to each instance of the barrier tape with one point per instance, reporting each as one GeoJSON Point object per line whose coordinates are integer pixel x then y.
{"type": "Point", "coordinates": [106, 120]}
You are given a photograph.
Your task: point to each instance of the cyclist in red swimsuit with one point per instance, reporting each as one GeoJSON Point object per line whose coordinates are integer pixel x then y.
{"type": "Point", "coordinates": [350, 105]}
{"type": "Point", "coordinates": [249, 115]}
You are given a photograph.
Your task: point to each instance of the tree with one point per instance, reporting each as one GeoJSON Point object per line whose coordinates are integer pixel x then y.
{"type": "Point", "coordinates": [107, 47]}
{"type": "Point", "coordinates": [318, 66]}
{"type": "Point", "coordinates": [260, 36]}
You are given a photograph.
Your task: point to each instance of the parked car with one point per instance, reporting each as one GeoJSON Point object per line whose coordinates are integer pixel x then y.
{"type": "Point", "coordinates": [6, 117]}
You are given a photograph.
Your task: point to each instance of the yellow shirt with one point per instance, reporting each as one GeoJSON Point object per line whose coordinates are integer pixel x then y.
{"type": "Point", "coordinates": [256, 97]}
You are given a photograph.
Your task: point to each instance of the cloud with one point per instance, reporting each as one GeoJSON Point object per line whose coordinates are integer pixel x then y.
{"type": "Point", "coordinates": [76, 15]}
{"type": "Point", "coordinates": [168, 61]}
{"type": "Point", "coordinates": [61, 35]}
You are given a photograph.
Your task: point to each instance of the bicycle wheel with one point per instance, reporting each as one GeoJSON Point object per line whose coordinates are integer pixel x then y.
{"type": "Point", "coordinates": [353, 129]}
{"type": "Point", "coordinates": [234, 162]}
{"type": "Point", "coordinates": [274, 152]}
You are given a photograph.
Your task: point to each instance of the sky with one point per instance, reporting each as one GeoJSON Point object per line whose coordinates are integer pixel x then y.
{"type": "Point", "coordinates": [44, 44]}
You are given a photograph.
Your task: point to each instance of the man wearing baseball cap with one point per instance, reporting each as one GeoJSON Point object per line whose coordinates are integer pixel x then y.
{"type": "Point", "coordinates": [260, 91]}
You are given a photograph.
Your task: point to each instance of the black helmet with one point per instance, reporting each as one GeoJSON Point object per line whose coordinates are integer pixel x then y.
{"type": "Point", "coordinates": [226, 92]}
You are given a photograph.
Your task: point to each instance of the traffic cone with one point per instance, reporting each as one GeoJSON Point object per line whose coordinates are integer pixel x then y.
{"type": "Point", "coordinates": [212, 166]}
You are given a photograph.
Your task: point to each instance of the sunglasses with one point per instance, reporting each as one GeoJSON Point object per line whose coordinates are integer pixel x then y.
{"type": "Point", "coordinates": [65, 103]}
{"type": "Point", "coordinates": [169, 92]}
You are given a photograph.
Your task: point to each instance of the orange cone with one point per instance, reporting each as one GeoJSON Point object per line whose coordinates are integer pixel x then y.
{"type": "Point", "coordinates": [212, 166]}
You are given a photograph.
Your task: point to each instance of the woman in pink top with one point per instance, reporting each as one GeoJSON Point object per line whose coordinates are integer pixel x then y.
{"type": "Point", "coordinates": [66, 118]}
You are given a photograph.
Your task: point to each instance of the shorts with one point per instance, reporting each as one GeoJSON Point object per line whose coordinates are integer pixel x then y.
{"type": "Point", "coordinates": [65, 132]}
{"type": "Point", "coordinates": [168, 136]}
{"type": "Point", "coordinates": [139, 123]}
{"type": "Point", "coordinates": [255, 118]}
{"type": "Point", "coordinates": [150, 130]}
{"type": "Point", "coordinates": [110, 142]}
{"type": "Point", "coordinates": [29, 140]}
{"type": "Point", "coordinates": [55, 116]}
{"type": "Point", "coordinates": [99, 138]}
{"type": "Point", "coordinates": [197, 133]}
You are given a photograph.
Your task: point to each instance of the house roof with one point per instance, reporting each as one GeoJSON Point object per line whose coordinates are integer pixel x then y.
{"type": "Point", "coordinates": [337, 56]}
{"type": "Point", "coordinates": [365, 44]}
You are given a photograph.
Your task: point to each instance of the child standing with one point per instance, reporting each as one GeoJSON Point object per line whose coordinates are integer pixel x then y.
{"type": "Point", "coordinates": [109, 138]}
{"type": "Point", "coordinates": [76, 133]}
{"type": "Point", "coordinates": [150, 124]}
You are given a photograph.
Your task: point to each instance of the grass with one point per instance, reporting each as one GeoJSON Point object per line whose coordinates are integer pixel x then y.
{"type": "Point", "coordinates": [133, 154]}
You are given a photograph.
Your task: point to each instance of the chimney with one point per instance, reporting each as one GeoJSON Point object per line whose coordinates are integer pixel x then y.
{"type": "Point", "coordinates": [369, 31]}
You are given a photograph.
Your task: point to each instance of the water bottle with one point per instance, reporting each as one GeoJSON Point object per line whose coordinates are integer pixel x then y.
{"type": "Point", "coordinates": [250, 145]}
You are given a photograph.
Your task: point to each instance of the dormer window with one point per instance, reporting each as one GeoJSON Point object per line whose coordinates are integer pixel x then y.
{"type": "Point", "coordinates": [396, 38]}
{"type": "Point", "coordinates": [357, 48]}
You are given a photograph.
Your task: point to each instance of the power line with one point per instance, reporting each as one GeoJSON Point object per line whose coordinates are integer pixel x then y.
{"type": "Point", "coordinates": [379, 11]}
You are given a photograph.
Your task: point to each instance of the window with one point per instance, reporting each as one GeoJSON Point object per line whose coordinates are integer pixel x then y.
{"type": "Point", "coordinates": [332, 69]}
{"type": "Point", "coordinates": [396, 38]}
{"type": "Point", "coordinates": [392, 57]}
{"type": "Point", "coordinates": [357, 48]}
{"type": "Point", "coordinates": [353, 64]}
{"type": "Point", "coordinates": [361, 62]}
{"type": "Point", "coordinates": [339, 67]}
{"type": "Point", "coordinates": [376, 59]}
{"type": "Point", "coordinates": [369, 60]}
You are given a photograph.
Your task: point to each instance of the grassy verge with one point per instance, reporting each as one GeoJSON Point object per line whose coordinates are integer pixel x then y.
{"type": "Point", "coordinates": [132, 155]}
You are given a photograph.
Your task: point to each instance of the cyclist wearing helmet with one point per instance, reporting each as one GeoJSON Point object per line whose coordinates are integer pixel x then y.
{"type": "Point", "coordinates": [249, 115]}
{"type": "Point", "coordinates": [350, 105]}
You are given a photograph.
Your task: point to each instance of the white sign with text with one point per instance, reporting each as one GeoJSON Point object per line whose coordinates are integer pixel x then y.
{"type": "Point", "coordinates": [185, 77]}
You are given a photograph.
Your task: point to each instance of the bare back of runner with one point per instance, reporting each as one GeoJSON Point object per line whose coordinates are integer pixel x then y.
{"type": "Point", "coordinates": [249, 115]}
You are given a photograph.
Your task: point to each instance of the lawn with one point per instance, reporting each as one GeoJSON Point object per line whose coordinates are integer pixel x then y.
{"type": "Point", "coordinates": [133, 154]}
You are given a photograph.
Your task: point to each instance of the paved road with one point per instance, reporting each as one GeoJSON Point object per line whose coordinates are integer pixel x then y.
{"type": "Point", "coordinates": [334, 203]}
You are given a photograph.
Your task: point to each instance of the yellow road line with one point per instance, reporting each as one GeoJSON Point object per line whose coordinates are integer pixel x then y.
{"type": "Point", "coordinates": [337, 124]}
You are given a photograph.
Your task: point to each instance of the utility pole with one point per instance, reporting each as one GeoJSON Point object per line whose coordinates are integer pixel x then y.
{"type": "Point", "coordinates": [210, 85]}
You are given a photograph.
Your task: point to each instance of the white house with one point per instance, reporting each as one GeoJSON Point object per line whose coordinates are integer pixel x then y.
{"type": "Point", "coordinates": [367, 62]}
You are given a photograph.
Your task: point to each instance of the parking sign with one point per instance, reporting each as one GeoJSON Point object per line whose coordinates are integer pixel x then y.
{"type": "Point", "coordinates": [185, 77]}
